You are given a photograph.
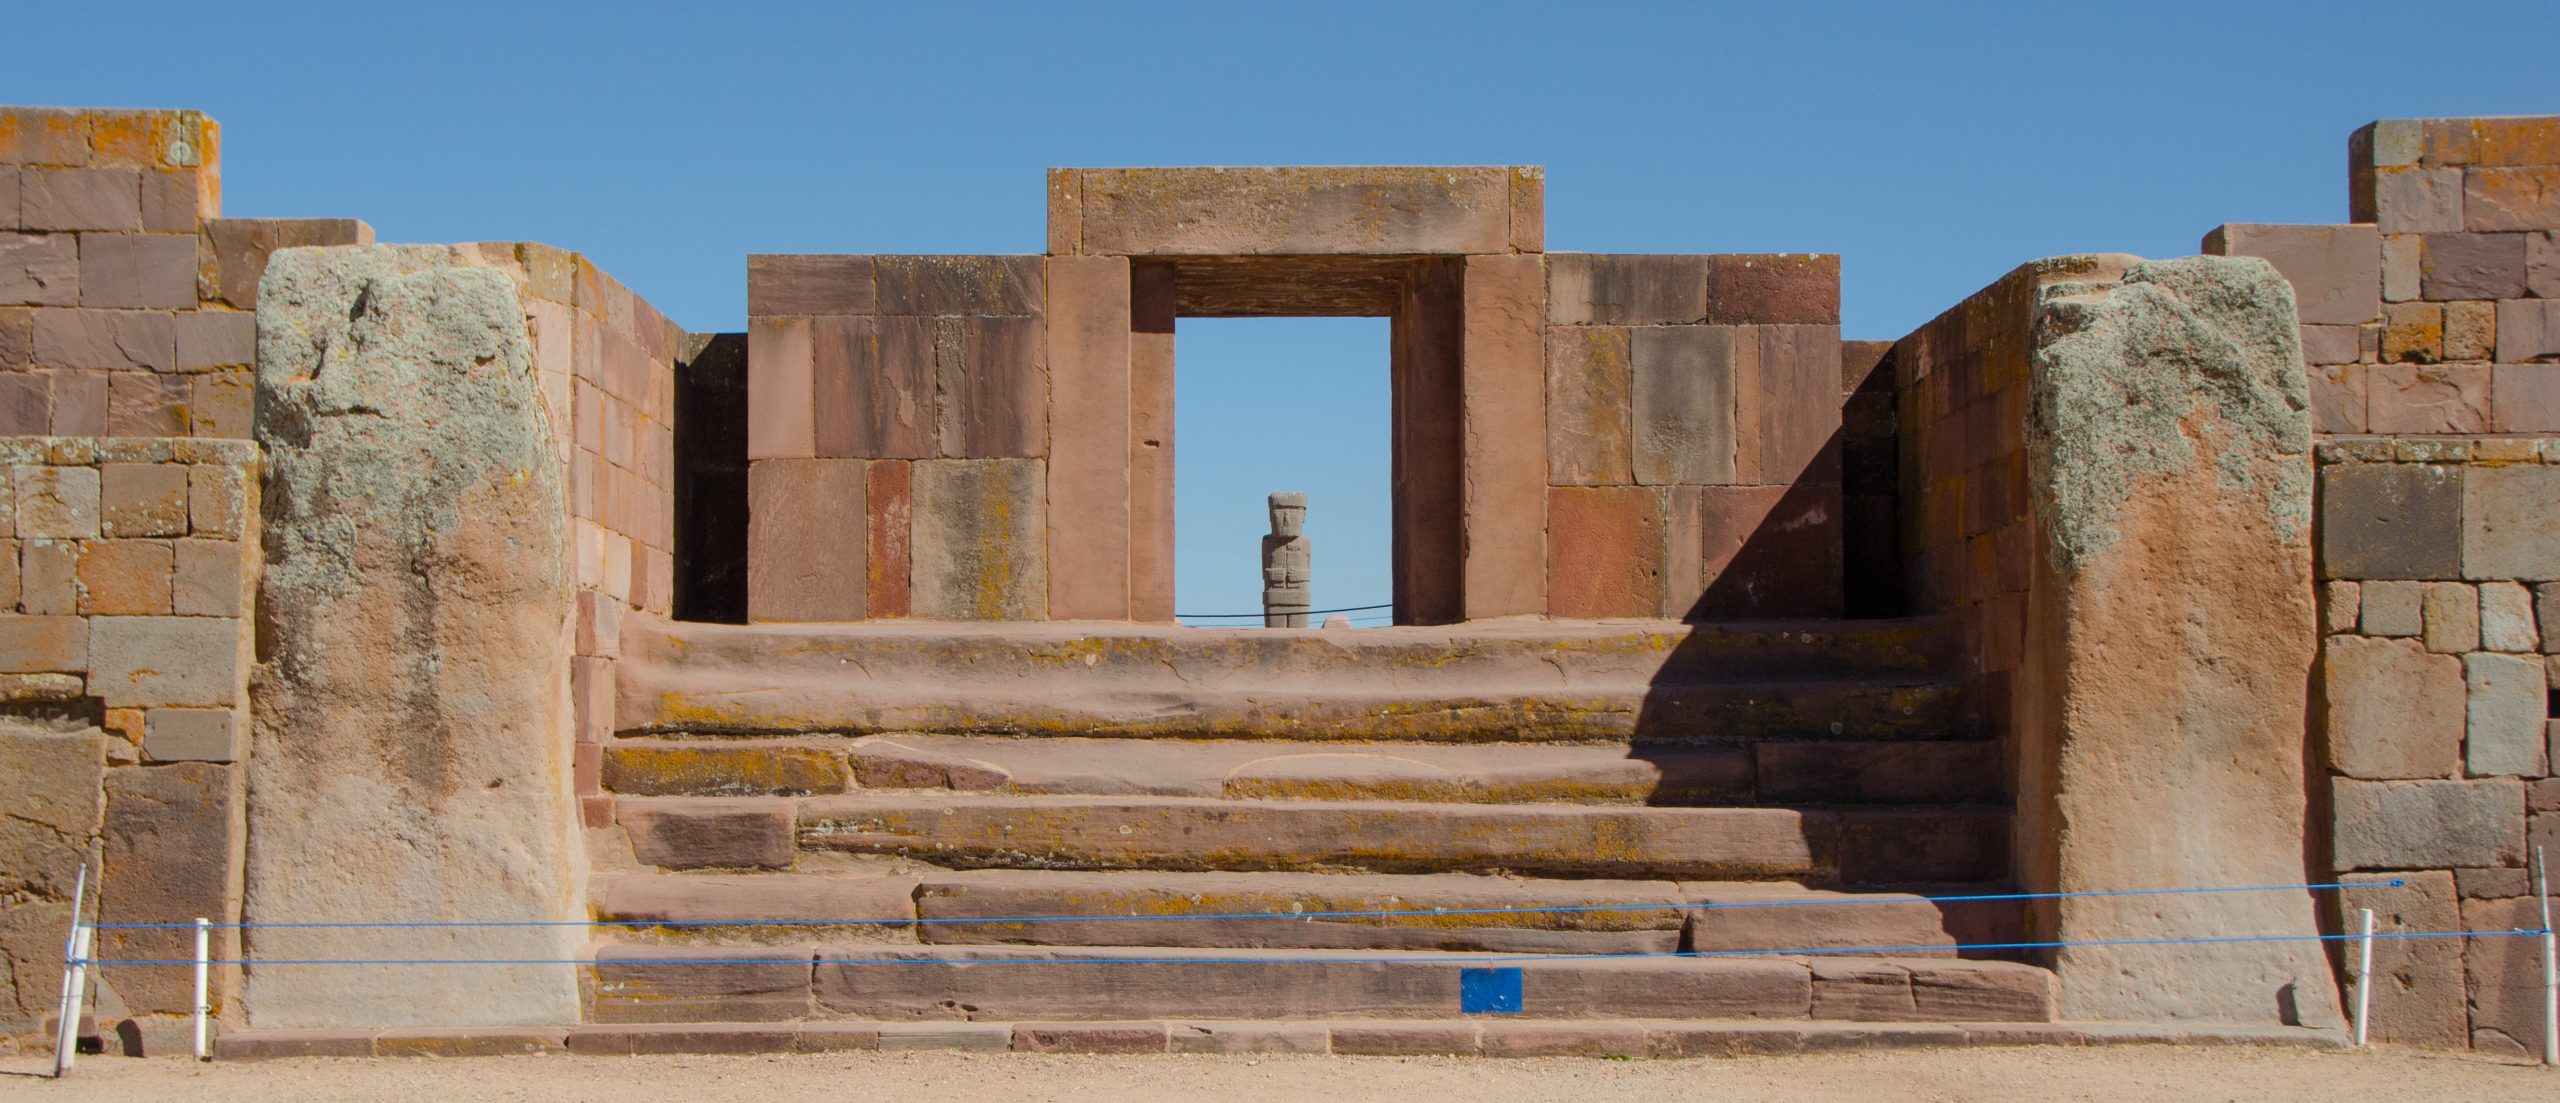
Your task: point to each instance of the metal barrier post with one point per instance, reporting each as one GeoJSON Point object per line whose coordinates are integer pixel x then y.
{"type": "Point", "coordinates": [2364, 978]}
{"type": "Point", "coordinates": [75, 953]}
{"type": "Point", "coordinates": [204, 988]}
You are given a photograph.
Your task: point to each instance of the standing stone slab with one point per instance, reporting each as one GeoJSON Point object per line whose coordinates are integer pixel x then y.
{"type": "Point", "coordinates": [49, 808]}
{"type": "Point", "coordinates": [411, 753]}
{"type": "Point", "coordinates": [980, 531]}
{"type": "Point", "coordinates": [2171, 633]}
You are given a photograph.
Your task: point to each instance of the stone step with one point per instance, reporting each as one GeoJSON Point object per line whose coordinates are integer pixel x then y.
{"type": "Point", "coordinates": [662, 984]}
{"type": "Point", "coordinates": [1452, 911]}
{"type": "Point", "coordinates": [1535, 681]}
{"type": "Point", "coordinates": [1683, 774]}
{"type": "Point", "coordinates": [1965, 843]}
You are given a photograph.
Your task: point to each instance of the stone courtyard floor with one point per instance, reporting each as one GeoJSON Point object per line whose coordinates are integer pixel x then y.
{"type": "Point", "coordinates": [2040, 1075]}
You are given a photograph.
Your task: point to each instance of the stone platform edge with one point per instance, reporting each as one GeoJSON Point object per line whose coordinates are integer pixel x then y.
{"type": "Point", "coordinates": [1615, 1038]}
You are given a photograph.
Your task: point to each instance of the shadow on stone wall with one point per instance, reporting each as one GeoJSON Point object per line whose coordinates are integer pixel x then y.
{"type": "Point", "coordinates": [711, 480]}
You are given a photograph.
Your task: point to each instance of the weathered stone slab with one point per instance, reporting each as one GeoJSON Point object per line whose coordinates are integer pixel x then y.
{"type": "Point", "coordinates": [2511, 522]}
{"type": "Point", "coordinates": [2391, 609]}
{"type": "Point", "coordinates": [807, 556]}
{"type": "Point", "coordinates": [2428, 824]}
{"type": "Point", "coordinates": [412, 730]}
{"type": "Point", "coordinates": [2504, 736]}
{"type": "Point", "coordinates": [1692, 289]}
{"type": "Point", "coordinates": [2417, 986]}
{"type": "Point", "coordinates": [664, 984]}
{"type": "Point", "coordinates": [2394, 710]}
{"type": "Point", "coordinates": [980, 546]}
{"type": "Point", "coordinates": [1589, 391]}
{"type": "Point", "coordinates": [2390, 521]}
{"type": "Point", "coordinates": [1605, 551]}
{"type": "Point", "coordinates": [2452, 615]}
{"type": "Point", "coordinates": [835, 902]}
{"type": "Point", "coordinates": [1252, 211]}
{"type": "Point", "coordinates": [2504, 975]}
{"type": "Point", "coordinates": [2165, 482]}
{"type": "Point", "coordinates": [2506, 617]}
{"type": "Point", "coordinates": [709, 833]}
{"type": "Point", "coordinates": [2336, 271]}
{"type": "Point", "coordinates": [49, 809]}
{"type": "Point", "coordinates": [165, 843]}
{"type": "Point", "coordinates": [721, 769]}
{"type": "Point", "coordinates": [1683, 403]}
{"type": "Point", "coordinates": [1503, 406]}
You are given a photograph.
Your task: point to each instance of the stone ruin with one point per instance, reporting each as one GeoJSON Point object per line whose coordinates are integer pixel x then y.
{"type": "Point", "coordinates": [358, 582]}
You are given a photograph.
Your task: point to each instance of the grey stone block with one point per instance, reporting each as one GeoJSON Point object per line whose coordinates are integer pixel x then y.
{"type": "Point", "coordinates": [1683, 402]}
{"type": "Point", "coordinates": [191, 735]}
{"type": "Point", "coordinates": [2506, 617]}
{"type": "Point", "coordinates": [2546, 611]}
{"type": "Point", "coordinates": [2392, 609]}
{"type": "Point", "coordinates": [2453, 617]}
{"type": "Point", "coordinates": [2503, 730]}
{"type": "Point", "coordinates": [2428, 824]}
{"type": "Point", "coordinates": [165, 661]}
{"type": "Point", "coordinates": [2391, 521]}
{"type": "Point", "coordinates": [2511, 523]}
{"type": "Point", "coordinates": [2394, 711]}
{"type": "Point", "coordinates": [980, 550]}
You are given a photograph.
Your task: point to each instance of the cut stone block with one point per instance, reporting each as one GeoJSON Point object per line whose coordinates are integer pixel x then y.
{"type": "Point", "coordinates": [809, 284]}
{"type": "Point", "coordinates": [2336, 271]}
{"type": "Point", "coordinates": [1605, 551]}
{"type": "Point", "coordinates": [2453, 617]}
{"type": "Point", "coordinates": [1589, 391]}
{"type": "Point", "coordinates": [709, 833]}
{"type": "Point", "coordinates": [2506, 617]}
{"type": "Point", "coordinates": [721, 769]}
{"type": "Point", "coordinates": [2394, 710]}
{"type": "Point", "coordinates": [2504, 735]}
{"type": "Point", "coordinates": [2392, 609]}
{"type": "Point", "coordinates": [1671, 289]}
{"type": "Point", "coordinates": [806, 558]}
{"type": "Point", "coordinates": [59, 503]}
{"type": "Point", "coordinates": [1684, 402]}
{"type": "Point", "coordinates": [2511, 522]}
{"type": "Point", "coordinates": [192, 735]}
{"type": "Point", "coordinates": [2391, 521]}
{"type": "Point", "coordinates": [2428, 824]}
{"type": "Point", "coordinates": [980, 539]}
{"type": "Point", "coordinates": [2504, 976]}
{"type": "Point", "coordinates": [662, 984]}
{"type": "Point", "coordinates": [148, 661]}
{"type": "Point", "coordinates": [1262, 211]}
{"type": "Point", "coordinates": [2472, 266]}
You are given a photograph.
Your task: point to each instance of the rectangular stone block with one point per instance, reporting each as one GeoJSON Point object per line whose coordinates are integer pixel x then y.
{"type": "Point", "coordinates": [1683, 402]}
{"type": "Point", "coordinates": [2504, 975]}
{"type": "Point", "coordinates": [80, 199]}
{"type": "Point", "coordinates": [2390, 521]}
{"type": "Point", "coordinates": [2546, 611]}
{"type": "Point", "coordinates": [2340, 605]}
{"type": "Point", "coordinates": [965, 1037]}
{"type": "Point", "coordinates": [957, 285]}
{"type": "Point", "coordinates": [1605, 551]}
{"type": "Point", "coordinates": [2471, 266]}
{"type": "Point", "coordinates": [44, 644]}
{"type": "Point", "coordinates": [2417, 982]}
{"type": "Point", "coordinates": [219, 501]}
{"type": "Point", "coordinates": [216, 339]}
{"type": "Point", "coordinates": [709, 832]}
{"type": "Point", "coordinates": [1089, 409]}
{"type": "Point", "coordinates": [39, 269]}
{"type": "Point", "coordinates": [1589, 413]}
{"type": "Point", "coordinates": [2528, 329]}
{"type": "Point", "coordinates": [2470, 331]}
{"type": "Point", "coordinates": [2401, 260]}
{"type": "Point", "coordinates": [117, 340]}
{"type": "Point", "coordinates": [806, 549]}
{"type": "Point", "coordinates": [206, 579]}
{"type": "Point", "coordinates": [2336, 271]}
{"type": "Point", "coordinates": [138, 271]}
{"type": "Point", "coordinates": [781, 389]}
{"type": "Point", "coordinates": [2393, 709]}
{"type": "Point", "coordinates": [980, 540]}
{"type": "Point", "coordinates": [2334, 344]}
{"type": "Point", "coordinates": [166, 844]}
{"type": "Point", "coordinates": [191, 735]}
{"type": "Point", "coordinates": [2511, 197]}
{"type": "Point", "coordinates": [2528, 397]}
{"type": "Point", "coordinates": [2417, 200]}
{"type": "Point", "coordinates": [2419, 398]}
{"type": "Point", "coordinates": [125, 578]}
{"type": "Point", "coordinates": [1798, 409]}
{"type": "Point", "coordinates": [1503, 405]}
{"type": "Point", "coordinates": [660, 984]}
{"type": "Point", "coordinates": [2508, 699]}
{"type": "Point", "coordinates": [147, 405]}
{"type": "Point", "coordinates": [1247, 1036]}
{"type": "Point", "coordinates": [2452, 611]}
{"type": "Point", "coordinates": [809, 284]}
{"type": "Point", "coordinates": [2510, 522]}
{"type": "Point", "coordinates": [142, 499]}
{"type": "Point", "coordinates": [49, 576]}
{"type": "Point", "coordinates": [2506, 617]}
{"type": "Point", "coordinates": [1722, 289]}
{"type": "Point", "coordinates": [1266, 211]}
{"type": "Point", "coordinates": [150, 661]}
{"type": "Point", "coordinates": [873, 387]}
{"type": "Point", "coordinates": [2542, 264]}
{"type": "Point", "coordinates": [2427, 824]}
{"type": "Point", "coordinates": [1100, 1037]}
{"type": "Point", "coordinates": [2338, 398]}
{"type": "Point", "coordinates": [234, 251]}
{"type": "Point", "coordinates": [1770, 551]}
{"type": "Point", "coordinates": [2413, 332]}
{"type": "Point", "coordinates": [59, 503]}
{"type": "Point", "coordinates": [994, 380]}
{"type": "Point", "coordinates": [891, 533]}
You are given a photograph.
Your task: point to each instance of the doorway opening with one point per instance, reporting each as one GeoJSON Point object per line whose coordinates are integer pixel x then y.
{"type": "Point", "coordinates": [1265, 405]}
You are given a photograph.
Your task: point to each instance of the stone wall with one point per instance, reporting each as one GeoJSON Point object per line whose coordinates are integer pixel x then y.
{"type": "Point", "coordinates": [1693, 422]}
{"type": "Point", "coordinates": [2440, 568]}
{"type": "Point", "coordinates": [125, 611]}
{"type": "Point", "coordinates": [122, 292]}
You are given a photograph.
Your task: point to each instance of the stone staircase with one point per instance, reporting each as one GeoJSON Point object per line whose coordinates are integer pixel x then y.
{"type": "Point", "coordinates": [1585, 793]}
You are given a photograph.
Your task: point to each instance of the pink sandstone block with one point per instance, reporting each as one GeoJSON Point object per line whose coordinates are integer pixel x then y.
{"type": "Point", "coordinates": [43, 136]}
{"type": "Point", "coordinates": [808, 284]}
{"type": "Point", "coordinates": [1151, 427]}
{"type": "Point", "coordinates": [2417, 200]}
{"type": "Point", "coordinates": [1088, 479]}
{"type": "Point", "coordinates": [1605, 551]}
{"type": "Point", "coordinates": [1589, 388]}
{"type": "Point", "coordinates": [1504, 409]}
{"type": "Point", "coordinates": [806, 550]}
{"type": "Point", "coordinates": [139, 271]}
{"type": "Point", "coordinates": [39, 269]}
{"type": "Point", "coordinates": [2528, 397]}
{"type": "Point", "coordinates": [781, 399]}
{"type": "Point", "coordinates": [80, 199]}
{"type": "Point", "coordinates": [892, 535]}
{"type": "Point", "coordinates": [2525, 197]}
{"type": "Point", "coordinates": [2336, 271]}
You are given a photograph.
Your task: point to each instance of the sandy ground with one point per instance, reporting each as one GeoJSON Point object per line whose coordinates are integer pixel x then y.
{"type": "Point", "coordinates": [2040, 1075]}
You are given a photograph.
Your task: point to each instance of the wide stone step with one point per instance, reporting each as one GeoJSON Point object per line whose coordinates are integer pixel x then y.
{"type": "Point", "coordinates": [1679, 774]}
{"type": "Point", "coordinates": [1528, 682]}
{"type": "Point", "coordinates": [1455, 911]}
{"type": "Point", "coordinates": [659, 984]}
{"type": "Point", "coordinates": [1960, 843]}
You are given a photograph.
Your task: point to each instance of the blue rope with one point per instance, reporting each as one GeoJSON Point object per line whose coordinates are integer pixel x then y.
{"type": "Point", "coordinates": [1561, 909]}
{"type": "Point", "coordinates": [819, 959]}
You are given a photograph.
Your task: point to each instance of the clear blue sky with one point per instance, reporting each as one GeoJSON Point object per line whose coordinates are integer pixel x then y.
{"type": "Point", "coordinates": [1933, 146]}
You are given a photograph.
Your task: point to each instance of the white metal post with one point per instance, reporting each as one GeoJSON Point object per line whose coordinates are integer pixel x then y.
{"type": "Point", "coordinates": [2550, 965]}
{"type": "Point", "coordinates": [74, 948]}
{"type": "Point", "coordinates": [204, 988]}
{"type": "Point", "coordinates": [2364, 978]}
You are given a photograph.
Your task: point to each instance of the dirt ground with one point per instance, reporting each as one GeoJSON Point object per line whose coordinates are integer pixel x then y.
{"type": "Point", "coordinates": [2039, 1075]}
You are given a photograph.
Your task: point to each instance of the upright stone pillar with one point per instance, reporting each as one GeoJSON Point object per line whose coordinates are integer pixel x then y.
{"type": "Point", "coordinates": [1287, 558]}
{"type": "Point", "coordinates": [412, 727]}
{"type": "Point", "coordinates": [2169, 634]}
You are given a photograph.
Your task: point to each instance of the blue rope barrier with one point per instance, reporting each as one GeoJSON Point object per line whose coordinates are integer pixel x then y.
{"type": "Point", "coordinates": [1561, 909]}
{"type": "Point", "coordinates": [1437, 959]}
